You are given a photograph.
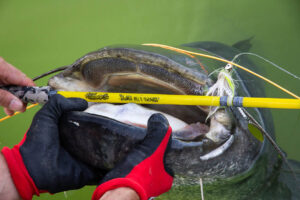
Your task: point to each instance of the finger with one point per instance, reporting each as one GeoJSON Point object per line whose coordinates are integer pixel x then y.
{"type": "Point", "coordinates": [10, 101]}
{"type": "Point", "coordinates": [159, 138]}
{"type": "Point", "coordinates": [58, 104]}
{"type": "Point", "coordinates": [8, 111]}
{"type": "Point", "coordinates": [68, 104]}
{"type": "Point", "coordinates": [46, 120]}
{"type": "Point", "coordinates": [11, 112]}
{"type": "Point", "coordinates": [12, 76]}
{"type": "Point", "coordinates": [152, 147]}
{"type": "Point", "coordinates": [158, 133]}
{"type": "Point", "coordinates": [157, 126]}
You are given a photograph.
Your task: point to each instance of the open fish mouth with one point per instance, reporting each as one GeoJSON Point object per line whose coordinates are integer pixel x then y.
{"type": "Point", "coordinates": [218, 147]}
{"type": "Point", "coordinates": [213, 135]}
{"type": "Point", "coordinates": [135, 71]}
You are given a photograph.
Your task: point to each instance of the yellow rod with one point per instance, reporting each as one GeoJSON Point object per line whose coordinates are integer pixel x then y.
{"type": "Point", "coordinates": [271, 103]}
{"type": "Point", "coordinates": [226, 61]}
{"type": "Point", "coordinates": [105, 97]}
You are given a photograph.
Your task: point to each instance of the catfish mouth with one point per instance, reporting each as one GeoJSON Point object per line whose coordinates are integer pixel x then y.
{"type": "Point", "coordinates": [189, 123]}
{"type": "Point", "coordinates": [126, 73]}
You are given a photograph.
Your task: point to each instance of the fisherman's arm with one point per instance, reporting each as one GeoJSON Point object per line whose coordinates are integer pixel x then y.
{"type": "Point", "coordinates": [39, 163]}
{"type": "Point", "coordinates": [9, 75]}
{"type": "Point", "coordinates": [122, 193]}
{"type": "Point", "coordinates": [7, 188]}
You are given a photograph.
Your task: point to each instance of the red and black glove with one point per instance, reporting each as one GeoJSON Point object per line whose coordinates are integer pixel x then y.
{"type": "Point", "coordinates": [39, 163]}
{"type": "Point", "coordinates": [144, 169]}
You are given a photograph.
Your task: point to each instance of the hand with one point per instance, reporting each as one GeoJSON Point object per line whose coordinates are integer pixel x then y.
{"type": "Point", "coordinates": [39, 162]}
{"type": "Point", "coordinates": [9, 75]}
{"type": "Point", "coordinates": [144, 169]}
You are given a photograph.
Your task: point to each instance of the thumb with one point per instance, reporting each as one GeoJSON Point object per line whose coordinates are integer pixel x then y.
{"type": "Point", "coordinates": [68, 104]}
{"type": "Point", "coordinates": [158, 132]}
{"type": "Point", "coordinates": [10, 101]}
{"type": "Point", "coordinates": [46, 119]}
{"type": "Point", "coordinates": [154, 145]}
{"type": "Point", "coordinates": [58, 104]}
{"type": "Point", "coordinates": [158, 126]}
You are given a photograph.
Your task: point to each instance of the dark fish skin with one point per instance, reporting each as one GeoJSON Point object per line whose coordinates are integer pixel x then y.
{"type": "Point", "coordinates": [243, 170]}
{"type": "Point", "coordinates": [103, 142]}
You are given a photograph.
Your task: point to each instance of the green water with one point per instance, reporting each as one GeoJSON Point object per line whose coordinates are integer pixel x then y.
{"type": "Point", "coordinates": [37, 36]}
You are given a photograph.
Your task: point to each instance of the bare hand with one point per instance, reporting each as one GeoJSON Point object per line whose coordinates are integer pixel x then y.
{"type": "Point", "coordinates": [9, 75]}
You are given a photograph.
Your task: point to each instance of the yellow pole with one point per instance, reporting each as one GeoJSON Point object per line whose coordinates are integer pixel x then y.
{"type": "Point", "coordinates": [271, 103]}
{"type": "Point", "coordinates": [105, 97]}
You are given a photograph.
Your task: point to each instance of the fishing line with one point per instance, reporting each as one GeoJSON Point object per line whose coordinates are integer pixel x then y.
{"type": "Point", "coordinates": [270, 139]}
{"type": "Point", "coordinates": [201, 189]}
{"type": "Point", "coordinates": [215, 71]}
{"type": "Point", "coordinates": [266, 60]}
{"type": "Point", "coordinates": [16, 113]}
{"type": "Point", "coordinates": [278, 149]}
{"type": "Point", "coordinates": [198, 61]}
{"type": "Point", "coordinates": [226, 61]}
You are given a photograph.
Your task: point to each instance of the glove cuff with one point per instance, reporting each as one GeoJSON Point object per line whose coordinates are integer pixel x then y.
{"type": "Point", "coordinates": [119, 182]}
{"type": "Point", "coordinates": [21, 178]}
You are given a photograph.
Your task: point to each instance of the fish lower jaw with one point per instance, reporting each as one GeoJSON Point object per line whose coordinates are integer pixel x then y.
{"type": "Point", "coordinates": [215, 137]}
{"type": "Point", "coordinates": [132, 114]}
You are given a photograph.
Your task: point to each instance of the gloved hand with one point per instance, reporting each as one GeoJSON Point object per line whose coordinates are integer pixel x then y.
{"type": "Point", "coordinates": [144, 169]}
{"type": "Point", "coordinates": [39, 163]}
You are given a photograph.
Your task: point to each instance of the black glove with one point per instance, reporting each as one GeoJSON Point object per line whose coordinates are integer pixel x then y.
{"type": "Point", "coordinates": [39, 162]}
{"type": "Point", "coordinates": [144, 169]}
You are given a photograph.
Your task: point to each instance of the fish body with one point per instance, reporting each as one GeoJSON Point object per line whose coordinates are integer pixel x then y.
{"type": "Point", "coordinates": [101, 141]}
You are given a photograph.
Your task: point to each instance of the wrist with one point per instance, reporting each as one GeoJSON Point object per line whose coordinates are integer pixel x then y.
{"type": "Point", "coordinates": [22, 181]}
{"type": "Point", "coordinates": [125, 193]}
{"type": "Point", "coordinates": [7, 187]}
{"type": "Point", "coordinates": [120, 183]}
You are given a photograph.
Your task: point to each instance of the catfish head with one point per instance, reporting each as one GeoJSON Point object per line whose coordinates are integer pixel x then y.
{"type": "Point", "coordinates": [220, 148]}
